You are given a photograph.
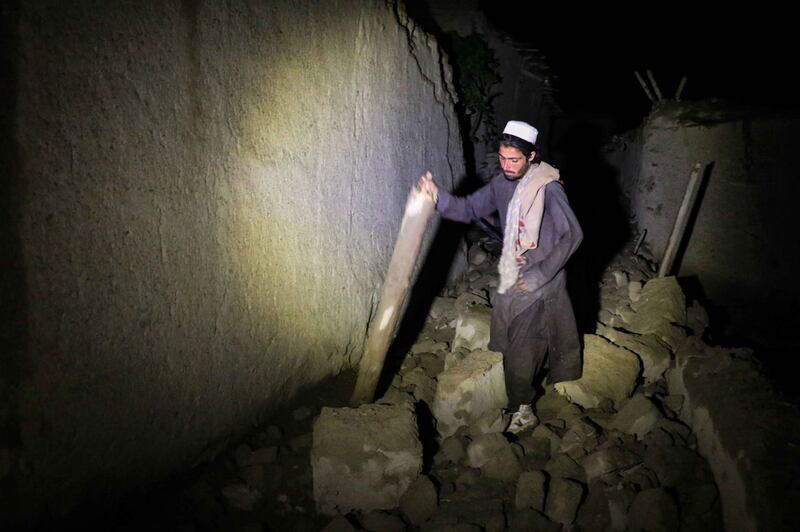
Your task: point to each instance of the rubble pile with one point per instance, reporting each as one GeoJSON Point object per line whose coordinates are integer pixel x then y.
{"type": "Point", "coordinates": [609, 451]}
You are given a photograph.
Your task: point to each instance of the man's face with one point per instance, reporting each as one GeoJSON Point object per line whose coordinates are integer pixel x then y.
{"type": "Point", "coordinates": [513, 162]}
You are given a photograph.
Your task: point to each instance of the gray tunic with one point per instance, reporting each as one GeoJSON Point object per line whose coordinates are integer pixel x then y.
{"type": "Point", "coordinates": [546, 308]}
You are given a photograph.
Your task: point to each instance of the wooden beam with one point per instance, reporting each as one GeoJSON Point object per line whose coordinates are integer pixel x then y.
{"type": "Point", "coordinates": [419, 209]}
{"type": "Point", "coordinates": [681, 220]}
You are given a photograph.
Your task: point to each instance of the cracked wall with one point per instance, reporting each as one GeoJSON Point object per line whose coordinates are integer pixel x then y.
{"type": "Point", "coordinates": [206, 201]}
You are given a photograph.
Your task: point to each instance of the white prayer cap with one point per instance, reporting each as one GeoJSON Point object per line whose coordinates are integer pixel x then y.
{"type": "Point", "coordinates": [522, 130]}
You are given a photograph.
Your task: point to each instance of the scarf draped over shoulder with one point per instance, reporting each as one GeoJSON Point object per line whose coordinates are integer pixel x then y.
{"type": "Point", "coordinates": [523, 221]}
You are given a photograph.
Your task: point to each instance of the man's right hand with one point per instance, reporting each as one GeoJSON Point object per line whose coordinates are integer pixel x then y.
{"type": "Point", "coordinates": [426, 185]}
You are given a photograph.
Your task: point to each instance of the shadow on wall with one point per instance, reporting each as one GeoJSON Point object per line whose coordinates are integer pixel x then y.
{"type": "Point", "coordinates": [13, 315]}
{"type": "Point", "coordinates": [594, 195]}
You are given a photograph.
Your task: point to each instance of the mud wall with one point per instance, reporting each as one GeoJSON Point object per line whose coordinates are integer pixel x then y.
{"type": "Point", "coordinates": [202, 201]}
{"type": "Point", "coordinates": [737, 245]}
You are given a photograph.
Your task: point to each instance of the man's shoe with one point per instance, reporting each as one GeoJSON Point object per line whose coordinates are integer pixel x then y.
{"type": "Point", "coordinates": [522, 419]}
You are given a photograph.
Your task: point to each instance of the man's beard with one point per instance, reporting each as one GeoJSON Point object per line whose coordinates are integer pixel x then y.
{"type": "Point", "coordinates": [512, 176]}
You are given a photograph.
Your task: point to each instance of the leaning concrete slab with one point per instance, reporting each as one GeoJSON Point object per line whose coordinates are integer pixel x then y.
{"type": "Point", "coordinates": [364, 458]}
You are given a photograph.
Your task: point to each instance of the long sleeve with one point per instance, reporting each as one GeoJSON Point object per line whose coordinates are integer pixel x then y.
{"type": "Point", "coordinates": [561, 235]}
{"type": "Point", "coordinates": [466, 209]}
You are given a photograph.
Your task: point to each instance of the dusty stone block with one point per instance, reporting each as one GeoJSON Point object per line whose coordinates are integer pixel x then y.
{"type": "Point", "coordinates": [382, 522]}
{"type": "Point", "coordinates": [655, 356]}
{"type": "Point", "coordinates": [609, 372]}
{"type": "Point", "coordinates": [619, 499]}
{"type": "Point", "coordinates": [422, 386]}
{"type": "Point", "coordinates": [662, 297]}
{"type": "Point", "coordinates": [593, 515]}
{"type": "Point", "coordinates": [697, 319]}
{"type": "Point", "coordinates": [420, 501]}
{"type": "Point", "coordinates": [653, 510]}
{"type": "Point", "coordinates": [467, 300]}
{"type": "Point", "coordinates": [301, 443]}
{"type": "Point", "coordinates": [674, 403]}
{"type": "Point", "coordinates": [527, 519]}
{"type": "Point", "coordinates": [264, 455]}
{"type": "Point", "coordinates": [451, 450]}
{"type": "Point", "coordinates": [641, 477]}
{"type": "Point", "coordinates": [472, 328]}
{"type": "Point", "coordinates": [442, 307]}
{"type": "Point", "coordinates": [658, 436]}
{"type": "Point", "coordinates": [563, 499]}
{"type": "Point", "coordinates": [695, 501]}
{"type": "Point", "coordinates": [562, 466]}
{"type": "Point", "coordinates": [432, 364]}
{"type": "Point", "coordinates": [662, 304]}
{"type": "Point", "coordinates": [546, 433]}
{"type": "Point", "coordinates": [550, 404]}
{"type": "Point", "coordinates": [355, 447]}
{"type": "Point", "coordinates": [428, 346]}
{"type": "Point", "coordinates": [477, 255]}
{"type": "Point", "coordinates": [637, 416]}
{"type": "Point", "coordinates": [395, 395]}
{"type": "Point", "coordinates": [504, 466]}
{"type": "Point", "coordinates": [570, 412]}
{"type": "Point", "coordinates": [531, 489]}
{"type": "Point", "coordinates": [605, 317]}
{"type": "Point", "coordinates": [635, 290]}
{"type": "Point", "coordinates": [677, 466]}
{"type": "Point", "coordinates": [489, 422]}
{"type": "Point", "coordinates": [467, 479]}
{"type": "Point", "coordinates": [241, 496]}
{"type": "Point", "coordinates": [581, 435]}
{"type": "Point", "coordinates": [535, 448]}
{"type": "Point", "coordinates": [485, 447]}
{"type": "Point", "coordinates": [339, 524]}
{"type": "Point", "coordinates": [452, 358]}
{"type": "Point", "coordinates": [302, 413]}
{"type": "Point", "coordinates": [607, 459]}
{"type": "Point", "coordinates": [254, 476]}
{"type": "Point", "coordinates": [467, 390]}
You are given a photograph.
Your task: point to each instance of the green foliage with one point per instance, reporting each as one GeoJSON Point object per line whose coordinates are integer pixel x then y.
{"type": "Point", "coordinates": [476, 77]}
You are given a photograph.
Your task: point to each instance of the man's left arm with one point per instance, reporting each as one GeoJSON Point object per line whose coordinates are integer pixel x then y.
{"type": "Point", "coordinates": [568, 236]}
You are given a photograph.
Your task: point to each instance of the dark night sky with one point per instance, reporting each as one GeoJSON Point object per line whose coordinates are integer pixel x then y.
{"type": "Point", "coordinates": [745, 54]}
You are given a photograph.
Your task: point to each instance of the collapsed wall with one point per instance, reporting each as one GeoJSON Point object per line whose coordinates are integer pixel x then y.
{"type": "Point", "coordinates": [736, 243]}
{"type": "Point", "coordinates": [736, 248]}
{"type": "Point", "coordinates": [204, 200]}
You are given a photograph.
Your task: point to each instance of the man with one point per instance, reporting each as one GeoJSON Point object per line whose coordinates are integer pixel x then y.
{"type": "Point", "coordinates": [532, 315]}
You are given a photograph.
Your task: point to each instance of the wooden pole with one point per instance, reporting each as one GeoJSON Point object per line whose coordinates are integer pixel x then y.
{"type": "Point", "coordinates": [681, 220]}
{"type": "Point", "coordinates": [419, 208]}
{"type": "Point", "coordinates": [655, 85]}
{"type": "Point", "coordinates": [678, 92]}
{"type": "Point", "coordinates": [644, 86]}
{"type": "Point", "coordinates": [639, 241]}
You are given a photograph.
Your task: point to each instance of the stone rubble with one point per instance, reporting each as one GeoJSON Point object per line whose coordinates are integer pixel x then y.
{"type": "Point", "coordinates": [364, 458]}
{"type": "Point", "coordinates": [609, 451]}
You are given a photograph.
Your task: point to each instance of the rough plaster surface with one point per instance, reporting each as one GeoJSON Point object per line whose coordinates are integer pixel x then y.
{"type": "Point", "coordinates": [209, 198]}
{"type": "Point", "coordinates": [745, 430]}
